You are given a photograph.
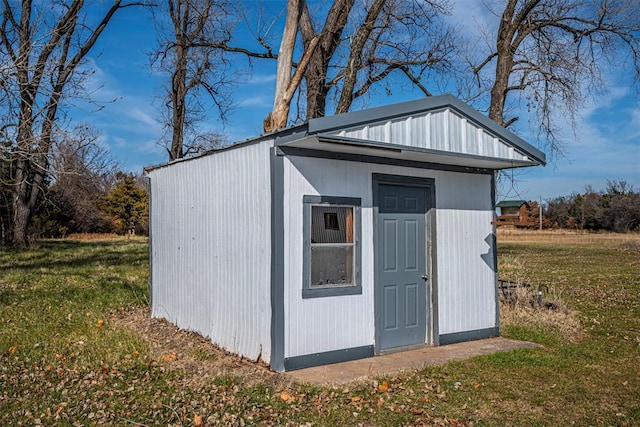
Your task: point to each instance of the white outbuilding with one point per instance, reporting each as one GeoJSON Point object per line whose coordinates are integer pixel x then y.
{"type": "Point", "coordinates": [341, 238]}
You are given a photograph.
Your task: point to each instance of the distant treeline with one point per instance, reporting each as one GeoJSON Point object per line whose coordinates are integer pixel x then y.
{"type": "Point", "coordinates": [617, 209]}
{"type": "Point", "coordinates": [118, 203]}
{"type": "Point", "coordinates": [76, 203]}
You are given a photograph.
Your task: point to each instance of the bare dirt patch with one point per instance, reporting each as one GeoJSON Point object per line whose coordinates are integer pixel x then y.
{"type": "Point", "coordinates": [198, 358]}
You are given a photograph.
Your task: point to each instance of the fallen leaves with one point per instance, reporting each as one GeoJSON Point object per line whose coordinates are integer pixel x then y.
{"type": "Point", "coordinates": [197, 420]}
{"type": "Point", "coordinates": [169, 358]}
{"type": "Point", "coordinates": [383, 386]}
{"type": "Point", "coordinates": [287, 397]}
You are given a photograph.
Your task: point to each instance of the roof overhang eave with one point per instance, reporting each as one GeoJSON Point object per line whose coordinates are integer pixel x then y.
{"type": "Point", "coordinates": [333, 144]}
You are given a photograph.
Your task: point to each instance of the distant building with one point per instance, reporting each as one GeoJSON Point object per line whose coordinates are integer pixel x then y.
{"type": "Point", "coordinates": [512, 212]}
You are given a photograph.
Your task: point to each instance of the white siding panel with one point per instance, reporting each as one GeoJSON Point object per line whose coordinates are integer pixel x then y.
{"type": "Point", "coordinates": [443, 130]}
{"type": "Point", "coordinates": [331, 323]}
{"type": "Point", "coordinates": [457, 133]}
{"type": "Point", "coordinates": [438, 131]}
{"type": "Point", "coordinates": [465, 276]}
{"type": "Point", "coordinates": [210, 220]}
{"type": "Point", "coordinates": [472, 145]}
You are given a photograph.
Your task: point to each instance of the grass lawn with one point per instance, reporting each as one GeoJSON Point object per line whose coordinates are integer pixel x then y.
{"type": "Point", "coordinates": [66, 358]}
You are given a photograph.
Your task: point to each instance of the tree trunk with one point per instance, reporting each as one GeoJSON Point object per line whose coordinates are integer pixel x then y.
{"type": "Point", "coordinates": [330, 37]}
{"type": "Point", "coordinates": [504, 63]}
{"type": "Point", "coordinates": [178, 97]}
{"type": "Point", "coordinates": [499, 89]}
{"type": "Point", "coordinates": [21, 216]}
{"type": "Point", "coordinates": [355, 55]}
{"type": "Point", "coordinates": [317, 90]}
{"type": "Point", "coordinates": [279, 115]}
{"type": "Point", "coordinates": [286, 85]}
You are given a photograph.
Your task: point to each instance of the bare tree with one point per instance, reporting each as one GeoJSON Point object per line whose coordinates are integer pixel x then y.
{"type": "Point", "coordinates": [348, 50]}
{"type": "Point", "coordinates": [362, 46]}
{"type": "Point", "coordinates": [187, 30]}
{"type": "Point", "coordinates": [43, 45]}
{"type": "Point", "coordinates": [286, 84]}
{"type": "Point", "coordinates": [552, 54]}
{"type": "Point", "coordinates": [82, 172]}
{"type": "Point", "coordinates": [330, 38]}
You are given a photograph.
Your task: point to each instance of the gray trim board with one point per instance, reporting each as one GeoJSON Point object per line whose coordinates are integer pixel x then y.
{"type": "Point", "coordinates": [277, 261]}
{"type": "Point", "coordinates": [150, 227]}
{"type": "Point", "coordinates": [332, 200]}
{"type": "Point", "coordinates": [432, 258]}
{"type": "Point", "coordinates": [397, 148]}
{"type": "Point", "coordinates": [291, 134]}
{"type": "Point", "coordinates": [361, 158]}
{"type": "Point", "coordinates": [495, 249]}
{"type": "Point", "coordinates": [337, 291]}
{"type": "Point", "coordinates": [328, 357]}
{"type": "Point", "coordinates": [477, 334]}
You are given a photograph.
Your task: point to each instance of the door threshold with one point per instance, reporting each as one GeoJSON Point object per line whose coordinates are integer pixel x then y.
{"type": "Point", "coordinates": [401, 349]}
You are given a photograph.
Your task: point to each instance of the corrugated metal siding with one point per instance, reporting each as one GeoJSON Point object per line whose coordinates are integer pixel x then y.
{"type": "Point", "coordinates": [331, 323]}
{"type": "Point", "coordinates": [211, 247]}
{"type": "Point", "coordinates": [466, 278]}
{"type": "Point", "coordinates": [466, 283]}
{"type": "Point", "coordinates": [443, 130]}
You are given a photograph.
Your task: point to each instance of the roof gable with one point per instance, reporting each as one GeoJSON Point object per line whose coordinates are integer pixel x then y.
{"type": "Point", "coordinates": [440, 123]}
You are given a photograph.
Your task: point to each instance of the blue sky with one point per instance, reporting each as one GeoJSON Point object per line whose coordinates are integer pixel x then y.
{"type": "Point", "coordinates": [605, 144]}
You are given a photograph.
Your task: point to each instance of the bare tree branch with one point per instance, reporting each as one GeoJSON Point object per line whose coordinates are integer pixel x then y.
{"type": "Point", "coordinates": [44, 55]}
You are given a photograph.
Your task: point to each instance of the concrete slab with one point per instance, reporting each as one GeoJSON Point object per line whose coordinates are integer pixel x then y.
{"type": "Point", "coordinates": [388, 364]}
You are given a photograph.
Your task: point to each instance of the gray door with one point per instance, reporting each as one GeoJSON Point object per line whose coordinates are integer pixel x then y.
{"type": "Point", "coordinates": [401, 290]}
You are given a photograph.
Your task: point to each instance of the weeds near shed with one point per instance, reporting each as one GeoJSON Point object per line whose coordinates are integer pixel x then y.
{"type": "Point", "coordinates": [532, 312]}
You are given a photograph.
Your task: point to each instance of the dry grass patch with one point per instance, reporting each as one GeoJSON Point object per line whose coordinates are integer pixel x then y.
{"type": "Point", "coordinates": [565, 237]}
{"type": "Point", "coordinates": [521, 309]}
{"type": "Point", "coordinates": [528, 305]}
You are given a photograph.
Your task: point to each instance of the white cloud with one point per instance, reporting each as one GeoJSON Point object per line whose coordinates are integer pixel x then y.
{"type": "Point", "coordinates": [261, 79]}
{"type": "Point", "coordinates": [255, 101]}
{"type": "Point", "coordinates": [120, 142]}
{"type": "Point", "coordinates": [146, 119]}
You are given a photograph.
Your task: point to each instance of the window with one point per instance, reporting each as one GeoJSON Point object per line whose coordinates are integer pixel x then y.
{"type": "Point", "coordinates": [331, 262]}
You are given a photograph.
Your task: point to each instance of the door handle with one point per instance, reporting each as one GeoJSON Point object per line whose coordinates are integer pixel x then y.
{"type": "Point", "coordinates": [425, 277]}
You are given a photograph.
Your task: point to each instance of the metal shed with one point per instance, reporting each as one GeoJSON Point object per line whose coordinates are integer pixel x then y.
{"type": "Point", "coordinates": [342, 238]}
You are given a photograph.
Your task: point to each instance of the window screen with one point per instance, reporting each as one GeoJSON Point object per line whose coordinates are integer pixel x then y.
{"type": "Point", "coordinates": [331, 246]}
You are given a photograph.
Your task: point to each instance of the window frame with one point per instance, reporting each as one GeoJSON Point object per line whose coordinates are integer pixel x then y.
{"type": "Point", "coordinates": [335, 290]}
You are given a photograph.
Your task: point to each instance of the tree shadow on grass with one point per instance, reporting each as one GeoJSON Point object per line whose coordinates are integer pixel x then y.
{"type": "Point", "coordinates": [76, 254]}
{"type": "Point", "coordinates": [100, 291]}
